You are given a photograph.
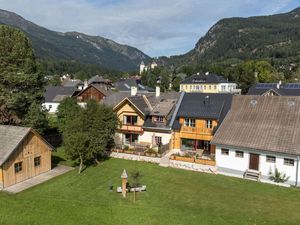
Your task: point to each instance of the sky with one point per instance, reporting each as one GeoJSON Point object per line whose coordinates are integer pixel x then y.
{"type": "Point", "coordinates": [157, 27]}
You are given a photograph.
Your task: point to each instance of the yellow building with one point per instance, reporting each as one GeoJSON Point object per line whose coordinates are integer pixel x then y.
{"type": "Point", "coordinates": [197, 119]}
{"type": "Point", "coordinates": [208, 83]}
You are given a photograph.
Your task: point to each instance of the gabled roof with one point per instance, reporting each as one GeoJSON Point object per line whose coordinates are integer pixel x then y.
{"type": "Point", "coordinates": [73, 83]}
{"type": "Point", "coordinates": [58, 93]}
{"type": "Point", "coordinates": [209, 78]}
{"type": "Point", "coordinates": [10, 138]}
{"type": "Point", "coordinates": [270, 123]}
{"type": "Point", "coordinates": [98, 87]}
{"type": "Point", "coordinates": [115, 98]}
{"type": "Point", "coordinates": [125, 86]}
{"type": "Point", "coordinates": [98, 79]}
{"type": "Point", "coordinates": [138, 104]}
{"type": "Point", "coordinates": [203, 106]}
{"type": "Point", "coordinates": [288, 89]}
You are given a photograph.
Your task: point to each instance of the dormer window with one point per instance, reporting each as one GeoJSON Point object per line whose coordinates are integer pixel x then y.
{"type": "Point", "coordinates": [160, 119]}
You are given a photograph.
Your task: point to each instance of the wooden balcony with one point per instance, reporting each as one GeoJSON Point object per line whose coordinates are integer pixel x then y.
{"type": "Point", "coordinates": [131, 128]}
{"type": "Point", "coordinates": [195, 130]}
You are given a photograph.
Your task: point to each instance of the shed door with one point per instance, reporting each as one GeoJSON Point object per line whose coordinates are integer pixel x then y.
{"type": "Point", "coordinates": [254, 161]}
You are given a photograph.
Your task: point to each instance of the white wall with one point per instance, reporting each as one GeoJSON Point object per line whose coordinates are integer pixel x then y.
{"type": "Point", "coordinates": [147, 136]}
{"type": "Point", "coordinates": [51, 106]}
{"type": "Point", "coordinates": [242, 164]}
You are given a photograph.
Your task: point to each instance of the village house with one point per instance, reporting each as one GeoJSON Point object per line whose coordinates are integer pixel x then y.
{"type": "Point", "coordinates": [125, 85]}
{"type": "Point", "coordinates": [195, 122]}
{"type": "Point", "coordinates": [99, 80]}
{"type": "Point", "coordinates": [145, 119]}
{"type": "Point", "coordinates": [275, 89]}
{"type": "Point", "coordinates": [93, 91]}
{"type": "Point", "coordinates": [208, 83]}
{"type": "Point", "coordinates": [259, 134]}
{"type": "Point", "coordinates": [23, 154]}
{"type": "Point", "coordinates": [74, 83]}
{"type": "Point", "coordinates": [53, 95]}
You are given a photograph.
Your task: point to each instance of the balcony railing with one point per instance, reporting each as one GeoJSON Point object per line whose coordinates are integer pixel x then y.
{"type": "Point", "coordinates": [132, 128]}
{"type": "Point", "coordinates": [196, 130]}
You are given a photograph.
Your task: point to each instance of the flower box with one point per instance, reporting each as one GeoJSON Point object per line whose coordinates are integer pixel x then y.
{"type": "Point", "coordinates": [205, 162]}
{"type": "Point", "coordinates": [184, 159]}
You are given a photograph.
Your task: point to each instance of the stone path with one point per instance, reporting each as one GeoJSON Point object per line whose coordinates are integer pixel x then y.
{"type": "Point", "coordinates": [56, 171]}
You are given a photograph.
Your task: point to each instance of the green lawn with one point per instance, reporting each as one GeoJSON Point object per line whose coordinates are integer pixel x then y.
{"type": "Point", "coordinates": [173, 197]}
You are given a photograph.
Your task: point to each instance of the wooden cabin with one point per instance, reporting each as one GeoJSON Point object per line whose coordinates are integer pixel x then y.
{"type": "Point", "coordinates": [93, 91]}
{"type": "Point", "coordinates": [23, 154]}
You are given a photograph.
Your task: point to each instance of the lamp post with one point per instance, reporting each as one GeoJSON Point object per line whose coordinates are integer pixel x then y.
{"type": "Point", "coordinates": [124, 177]}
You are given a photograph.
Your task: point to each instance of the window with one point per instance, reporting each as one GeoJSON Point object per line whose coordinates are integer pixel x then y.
{"type": "Point", "coordinates": [239, 154]}
{"type": "Point", "coordinates": [18, 167]}
{"type": "Point", "coordinates": [223, 87]}
{"type": "Point", "coordinates": [208, 124]}
{"type": "Point", "coordinates": [271, 159]}
{"type": "Point", "coordinates": [158, 140]}
{"type": "Point", "coordinates": [131, 139]}
{"type": "Point", "coordinates": [224, 151]}
{"type": "Point", "coordinates": [37, 161]}
{"type": "Point", "coordinates": [50, 106]}
{"type": "Point", "coordinates": [209, 87]}
{"type": "Point", "coordinates": [130, 120]}
{"type": "Point", "coordinates": [189, 122]}
{"type": "Point", "coordinates": [204, 87]}
{"type": "Point", "coordinates": [288, 162]}
{"type": "Point", "coordinates": [215, 86]}
{"type": "Point", "coordinates": [160, 119]}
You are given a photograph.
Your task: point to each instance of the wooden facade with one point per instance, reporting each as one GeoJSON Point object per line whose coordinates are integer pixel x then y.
{"type": "Point", "coordinates": [31, 158]}
{"type": "Point", "coordinates": [90, 92]}
{"type": "Point", "coordinates": [199, 132]}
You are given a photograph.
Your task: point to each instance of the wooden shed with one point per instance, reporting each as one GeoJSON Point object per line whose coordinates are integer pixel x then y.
{"type": "Point", "coordinates": [23, 154]}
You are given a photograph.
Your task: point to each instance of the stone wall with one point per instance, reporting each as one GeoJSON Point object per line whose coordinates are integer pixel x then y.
{"type": "Point", "coordinates": [135, 157]}
{"type": "Point", "coordinates": [192, 166]}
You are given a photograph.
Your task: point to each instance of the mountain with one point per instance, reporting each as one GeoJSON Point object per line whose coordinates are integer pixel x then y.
{"type": "Point", "coordinates": [76, 47]}
{"type": "Point", "coordinates": [274, 37]}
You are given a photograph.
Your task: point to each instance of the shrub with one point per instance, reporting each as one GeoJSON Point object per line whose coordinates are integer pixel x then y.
{"type": "Point", "coordinates": [278, 177]}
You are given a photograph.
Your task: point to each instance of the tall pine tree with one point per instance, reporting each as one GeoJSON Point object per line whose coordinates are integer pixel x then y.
{"type": "Point", "coordinates": [20, 83]}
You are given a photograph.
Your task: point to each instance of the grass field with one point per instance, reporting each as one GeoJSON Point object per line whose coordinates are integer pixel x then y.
{"type": "Point", "coordinates": [173, 197]}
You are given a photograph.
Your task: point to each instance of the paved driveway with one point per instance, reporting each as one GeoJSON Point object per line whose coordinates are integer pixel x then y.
{"type": "Point", "coordinates": [56, 171]}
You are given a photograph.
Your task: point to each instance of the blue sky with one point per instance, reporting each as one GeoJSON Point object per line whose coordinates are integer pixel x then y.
{"type": "Point", "coordinates": [157, 27]}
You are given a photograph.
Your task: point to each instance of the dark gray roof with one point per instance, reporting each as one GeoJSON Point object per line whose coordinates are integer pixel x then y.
{"type": "Point", "coordinates": [288, 89]}
{"type": "Point", "coordinates": [125, 86]}
{"type": "Point", "coordinates": [97, 80]}
{"type": "Point", "coordinates": [210, 78]}
{"type": "Point", "coordinates": [269, 123]}
{"type": "Point", "coordinates": [115, 98]}
{"type": "Point", "coordinates": [73, 83]}
{"type": "Point", "coordinates": [58, 93]}
{"type": "Point", "coordinates": [203, 106]}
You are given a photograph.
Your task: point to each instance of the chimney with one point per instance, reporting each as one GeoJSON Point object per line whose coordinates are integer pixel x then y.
{"type": "Point", "coordinates": [85, 84]}
{"type": "Point", "coordinates": [133, 91]}
{"type": "Point", "coordinates": [157, 91]}
{"type": "Point", "coordinates": [279, 84]}
{"type": "Point", "coordinates": [198, 73]}
{"type": "Point", "coordinates": [207, 73]}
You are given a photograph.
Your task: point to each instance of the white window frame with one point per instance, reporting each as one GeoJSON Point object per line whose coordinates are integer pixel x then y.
{"type": "Point", "coordinates": [223, 150]}
{"type": "Point", "coordinates": [287, 162]}
{"type": "Point", "coordinates": [189, 122]}
{"type": "Point", "coordinates": [271, 159]}
{"type": "Point", "coordinates": [209, 124]}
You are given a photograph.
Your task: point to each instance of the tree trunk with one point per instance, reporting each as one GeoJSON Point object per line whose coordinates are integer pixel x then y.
{"type": "Point", "coordinates": [134, 196]}
{"type": "Point", "coordinates": [96, 160]}
{"type": "Point", "coordinates": [80, 165]}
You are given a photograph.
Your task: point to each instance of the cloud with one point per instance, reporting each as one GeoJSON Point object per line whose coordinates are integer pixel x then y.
{"type": "Point", "coordinates": [157, 27]}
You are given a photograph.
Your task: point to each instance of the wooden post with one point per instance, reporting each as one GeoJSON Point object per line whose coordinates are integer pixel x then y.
{"type": "Point", "coordinates": [124, 177]}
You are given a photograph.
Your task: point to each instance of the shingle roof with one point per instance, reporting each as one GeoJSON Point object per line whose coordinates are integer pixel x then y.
{"type": "Point", "coordinates": [204, 106]}
{"type": "Point", "coordinates": [270, 123]}
{"type": "Point", "coordinates": [10, 138]}
{"type": "Point", "coordinates": [288, 89]}
{"type": "Point", "coordinates": [210, 78]}
{"type": "Point", "coordinates": [58, 93]}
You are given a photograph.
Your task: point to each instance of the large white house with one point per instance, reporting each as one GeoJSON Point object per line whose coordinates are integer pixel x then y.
{"type": "Point", "coordinates": [259, 134]}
